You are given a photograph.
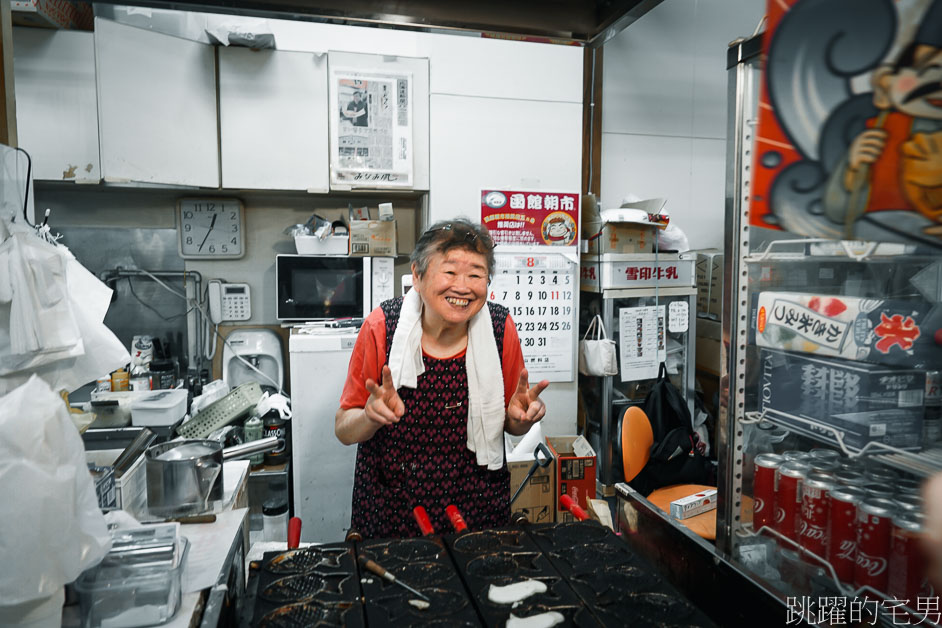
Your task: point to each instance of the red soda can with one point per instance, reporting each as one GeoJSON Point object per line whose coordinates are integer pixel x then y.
{"type": "Point", "coordinates": [910, 487]}
{"type": "Point", "coordinates": [874, 528]}
{"type": "Point", "coordinates": [813, 517]}
{"type": "Point", "coordinates": [883, 491]}
{"type": "Point", "coordinates": [823, 466]}
{"type": "Point", "coordinates": [907, 579]}
{"type": "Point", "coordinates": [793, 454]}
{"type": "Point", "coordinates": [842, 530]}
{"type": "Point", "coordinates": [788, 497]}
{"type": "Point", "coordinates": [850, 478]}
{"type": "Point", "coordinates": [909, 503]}
{"type": "Point", "coordinates": [881, 475]}
{"type": "Point", "coordinates": [763, 489]}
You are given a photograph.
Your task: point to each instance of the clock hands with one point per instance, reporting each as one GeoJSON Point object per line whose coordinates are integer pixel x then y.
{"type": "Point", "coordinates": [208, 231]}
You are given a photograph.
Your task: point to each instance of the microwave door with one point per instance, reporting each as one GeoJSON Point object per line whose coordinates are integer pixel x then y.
{"type": "Point", "coordinates": [317, 288]}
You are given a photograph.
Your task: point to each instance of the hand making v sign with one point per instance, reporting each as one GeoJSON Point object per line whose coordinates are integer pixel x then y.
{"type": "Point", "coordinates": [525, 407]}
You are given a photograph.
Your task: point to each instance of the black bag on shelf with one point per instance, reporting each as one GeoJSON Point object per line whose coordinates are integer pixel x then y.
{"type": "Point", "coordinates": [675, 458]}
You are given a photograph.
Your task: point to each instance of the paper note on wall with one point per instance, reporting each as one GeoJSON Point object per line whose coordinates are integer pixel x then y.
{"type": "Point", "coordinates": [641, 340]}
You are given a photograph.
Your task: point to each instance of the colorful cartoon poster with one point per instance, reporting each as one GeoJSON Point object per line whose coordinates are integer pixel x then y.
{"type": "Point", "coordinates": [849, 136]}
{"type": "Point", "coordinates": [531, 218]}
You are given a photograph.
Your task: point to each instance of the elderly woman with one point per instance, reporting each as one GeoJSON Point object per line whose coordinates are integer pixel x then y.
{"type": "Point", "coordinates": [435, 379]}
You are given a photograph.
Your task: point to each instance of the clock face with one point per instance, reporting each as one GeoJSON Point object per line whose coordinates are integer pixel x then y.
{"type": "Point", "coordinates": [211, 228]}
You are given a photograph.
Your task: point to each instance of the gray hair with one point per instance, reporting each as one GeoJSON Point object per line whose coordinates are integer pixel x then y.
{"type": "Point", "coordinates": [458, 233]}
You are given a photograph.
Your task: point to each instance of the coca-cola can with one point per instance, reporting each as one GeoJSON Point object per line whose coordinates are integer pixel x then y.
{"type": "Point", "coordinates": [874, 528]}
{"type": "Point", "coordinates": [911, 487]}
{"type": "Point", "coordinates": [909, 503]}
{"type": "Point", "coordinates": [842, 530]}
{"type": "Point", "coordinates": [881, 475]}
{"type": "Point", "coordinates": [824, 454]}
{"type": "Point", "coordinates": [882, 491]}
{"type": "Point", "coordinates": [764, 488]}
{"type": "Point", "coordinates": [793, 455]}
{"type": "Point", "coordinates": [823, 465]}
{"type": "Point", "coordinates": [907, 576]}
{"type": "Point", "coordinates": [788, 497]}
{"type": "Point", "coordinates": [850, 478]}
{"type": "Point", "coordinates": [812, 523]}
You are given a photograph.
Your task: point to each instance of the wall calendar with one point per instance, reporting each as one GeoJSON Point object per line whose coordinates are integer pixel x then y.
{"type": "Point", "coordinates": [540, 292]}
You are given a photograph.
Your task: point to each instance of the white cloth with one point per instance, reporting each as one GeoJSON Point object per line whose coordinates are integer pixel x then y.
{"type": "Point", "coordinates": [485, 378]}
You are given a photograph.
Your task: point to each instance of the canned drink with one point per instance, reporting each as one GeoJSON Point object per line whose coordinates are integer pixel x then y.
{"type": "Point", "coordinates": [874, 531]}
{"type": "Point", "coordinates": [908, 502]}
{"type": "Point", "coordinates": [910, 487]}
{"type": "Point", "coordinates": [763, 489]}
{"type": "Point", "coordinates": [842, 530]}
{"type": "Point", "coordinates": [821, 465]}
{"type": "Point", "coordinates": [850, 478]}
{"type": "Point", "coordinates": [882, 476]}
{"type": "Point", "coordinates": [813, 517]}
{"type": "Point", "coordinates": [825, 454]}
{"type": "Point", "coordinates": [878, 490]}
{"type": "Point", "coordinates": [907, 579]}
{"type": "Point", "coordinates": [788, 496]}
{"type": "Point", "coordinates": [793, 454]}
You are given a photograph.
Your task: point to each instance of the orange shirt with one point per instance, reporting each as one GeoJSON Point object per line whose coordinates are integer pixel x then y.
{"type": "Point", "coordinates": [369, 357]}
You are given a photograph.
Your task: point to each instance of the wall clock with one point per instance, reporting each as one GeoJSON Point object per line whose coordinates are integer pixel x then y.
{"type": "Point", "coordinates": [211, 228]}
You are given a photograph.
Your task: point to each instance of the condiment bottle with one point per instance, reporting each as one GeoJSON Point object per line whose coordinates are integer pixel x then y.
{"type": "Point", "coordinates": [253, 431]}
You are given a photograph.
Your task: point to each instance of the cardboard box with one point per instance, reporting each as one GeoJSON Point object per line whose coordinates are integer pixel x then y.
{"type": "Point", "coordinates": [331, 245]}
{"type": "Point", "coordinates": [53, 14]}
{"type": "Point", "coordinates": [709, 346]}
{"type": "Point", "coordinates": [863, 401]}
{"type": "Point", "coordinates": [575, 471]}
{"type": "Point", "coordinates": [622, 229]}
{"type": "Point", "coordinates": [710, 264]}
{"type": "Point", "coordinates": [538, 498]}
{"type": "Point", "coordinates": [373, 238]}
{"type": "Point", "coordinates": [695, 504]}
{"type": "Point", "coordinates": [871, 330]}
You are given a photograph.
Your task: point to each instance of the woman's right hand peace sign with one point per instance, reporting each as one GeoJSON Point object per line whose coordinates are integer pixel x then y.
{"type": "Point", "coordinates": [384, 405]}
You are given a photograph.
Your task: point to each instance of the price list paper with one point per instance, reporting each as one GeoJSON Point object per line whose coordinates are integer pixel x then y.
{"type": "Point", "coordinates": [540, 292]}
{"type": "Point", "coordinates": [641, 340]}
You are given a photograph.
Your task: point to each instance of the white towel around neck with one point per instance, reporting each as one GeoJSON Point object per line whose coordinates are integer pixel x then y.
{"type": "Point", "coordinates": [485, 379]}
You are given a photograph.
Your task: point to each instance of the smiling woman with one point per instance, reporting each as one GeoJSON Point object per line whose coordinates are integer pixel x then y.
{"type": "Point", "coordinates": [435, 379]}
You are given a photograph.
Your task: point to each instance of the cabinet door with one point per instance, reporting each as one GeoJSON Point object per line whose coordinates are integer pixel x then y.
{"type": "Point", "coordinates": [56, 103]}
{"type": "Point", "coordinates": [156, 107]}
{"type": "Point", "coordinates": [273, 119]}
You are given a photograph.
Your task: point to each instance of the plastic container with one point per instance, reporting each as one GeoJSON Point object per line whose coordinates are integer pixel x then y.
{"type": "Point", "coordinates": [161, 408]}
{"type": "Point", "coordinates": [275, 518]}
{"type": "Point", "coordinates": [113, 409]}
{"type": "Point", "coordinates": [135, 585]}
{"type": "Point", "coordinates": [331, 245]}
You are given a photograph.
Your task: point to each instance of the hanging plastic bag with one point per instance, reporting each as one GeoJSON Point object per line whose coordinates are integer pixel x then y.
{"type": "Point", "coordinates": [52, 526]}
{"type": "Point", "coordinates": [596, 351]}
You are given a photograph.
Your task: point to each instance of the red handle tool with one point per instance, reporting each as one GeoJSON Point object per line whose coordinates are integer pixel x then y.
{"type": "Point", "coordinates": [566, 502]}
{"type": "Point", "coordinates": [294, 532]}
{"type": "Point", "coordinates": [457, 521]}
{"type": "Point", "coordinates": [421, 517]}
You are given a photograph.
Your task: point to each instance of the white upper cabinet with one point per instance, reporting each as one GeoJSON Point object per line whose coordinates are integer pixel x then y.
{"type": "Point", "coordinates": [273, 119]}
{"type": "Point", "coordinates": [56, 103]}
{"type": "Point", "coordinates": [156, 107]}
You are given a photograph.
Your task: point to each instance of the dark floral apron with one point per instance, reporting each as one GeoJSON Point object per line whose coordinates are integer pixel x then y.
{"type": "Point", "coordinates": [424, 460]}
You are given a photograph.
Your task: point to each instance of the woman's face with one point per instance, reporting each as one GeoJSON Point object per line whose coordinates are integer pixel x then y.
{"type": "Point", "coordinates": [454, 288]}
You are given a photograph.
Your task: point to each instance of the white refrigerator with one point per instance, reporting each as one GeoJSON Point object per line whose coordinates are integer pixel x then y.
{"type": "Point", "coordinates": [321, 466]}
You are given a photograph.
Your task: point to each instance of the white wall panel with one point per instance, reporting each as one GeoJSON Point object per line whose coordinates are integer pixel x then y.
{"type": "Point", "coordinates": [156, 107]}
{"type": "Point", "coordinates": [704, 219]}
{"type": "Point", "coordinates": [473, 66]}
{"type": "Point", "coordinates": [313, 37]}
{"type": "Point", "coordinates": [56, 102]}
{"type": "Point", "coordinates": [509, 144]}
{"type": "Point", "coordinates": [648, 166]}
{"type": "Point", "coordinates": [273, 119]}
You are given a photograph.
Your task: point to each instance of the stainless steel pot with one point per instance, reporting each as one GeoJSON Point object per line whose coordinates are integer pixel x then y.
{"type": "Point", "coordinates": [184, 476]}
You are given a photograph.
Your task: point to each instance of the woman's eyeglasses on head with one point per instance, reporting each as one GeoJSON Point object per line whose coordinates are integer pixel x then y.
{"type": "Point", "coordinates": [469, 234]}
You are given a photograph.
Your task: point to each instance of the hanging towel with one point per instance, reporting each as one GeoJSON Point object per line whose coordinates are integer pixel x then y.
{"type": "Point", "coordinates": [485, 378]}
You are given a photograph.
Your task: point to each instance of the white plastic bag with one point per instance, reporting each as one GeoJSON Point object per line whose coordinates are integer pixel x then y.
{"type": "Point", "coordinates": [596, 351]}
{"type": "Point", "coordinates": [52, 527]}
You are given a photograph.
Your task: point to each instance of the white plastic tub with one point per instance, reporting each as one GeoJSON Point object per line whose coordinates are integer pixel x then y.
{"type": "Point", "coordinates": [160, 408]}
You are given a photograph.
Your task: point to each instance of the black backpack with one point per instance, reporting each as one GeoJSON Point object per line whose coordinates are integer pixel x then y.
{"type": "Point", "coordinates": [675, 458]}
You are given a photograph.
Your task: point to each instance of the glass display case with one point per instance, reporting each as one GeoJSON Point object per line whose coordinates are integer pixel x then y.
{"type": "Point", "coordinates": [652, 298]}
{"type": "Point", "coordinates": [832, 350]}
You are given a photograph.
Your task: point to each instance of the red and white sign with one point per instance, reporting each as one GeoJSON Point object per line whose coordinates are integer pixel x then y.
{"type": "Point", "coordinates": [522, 218]}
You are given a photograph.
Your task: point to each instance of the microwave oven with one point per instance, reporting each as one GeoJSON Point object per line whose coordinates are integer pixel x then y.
{"type": "Point", "coordinates": [320, 287]}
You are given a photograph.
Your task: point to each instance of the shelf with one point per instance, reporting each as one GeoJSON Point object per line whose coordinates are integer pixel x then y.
{"type": "Point", "coordinates": [921, 463]}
